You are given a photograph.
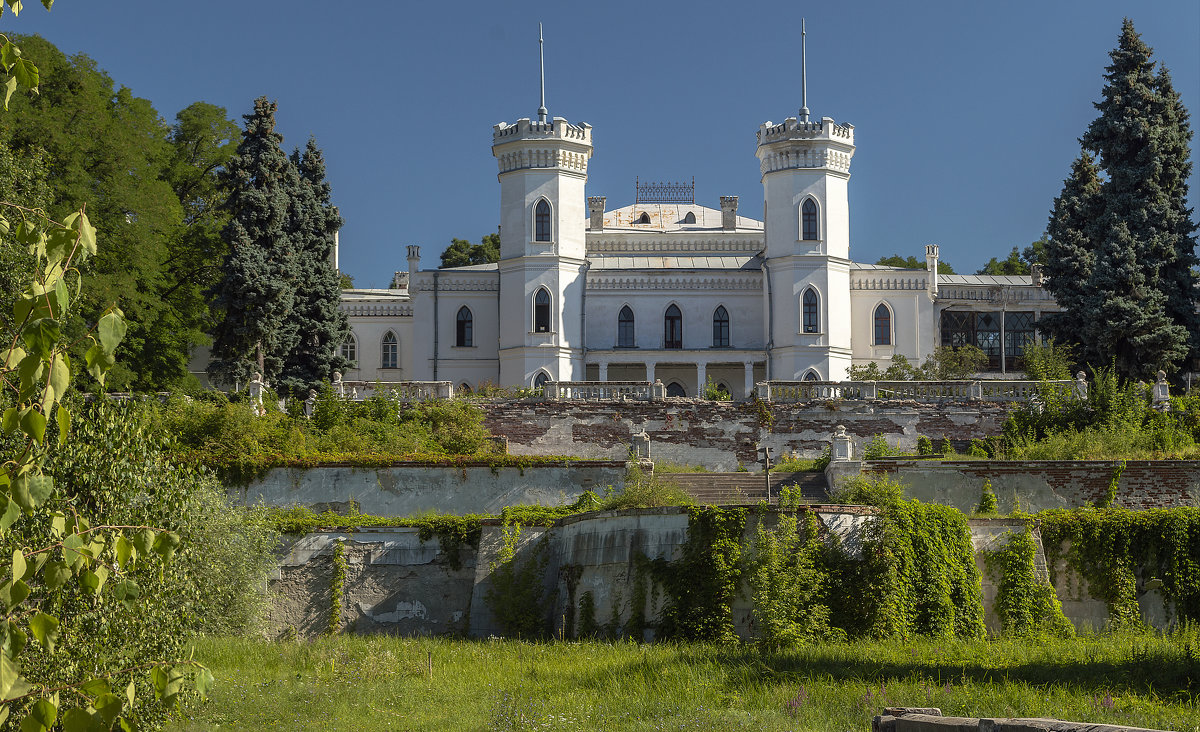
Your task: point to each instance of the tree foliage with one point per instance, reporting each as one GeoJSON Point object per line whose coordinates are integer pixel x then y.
{"type": "Point", "coordinates": [461, 252]}
{"type": "Point", "coordinates": [319, 323]}
{"type": "Point", "coordinates": [256, 292]}
{"type": "Point", "coordinates": [112, 150]}
{"type": "Point", "coordinates": [1121, 254]}
{"type": "Point", "coordinates": [911, 262]}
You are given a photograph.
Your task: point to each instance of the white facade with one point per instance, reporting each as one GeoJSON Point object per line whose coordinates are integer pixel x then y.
{"type": "Point", "coordinates": [667, 289]}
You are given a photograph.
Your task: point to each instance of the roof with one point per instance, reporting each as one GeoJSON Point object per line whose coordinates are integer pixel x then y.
{"type": "Point", "coordinates": [670, 217]}
{"type": "Point", "coordinates": [726, 263]}
{"type": "Point", "coordinates": [485, 267]}
{"type": "Point", "coordinates": [986, 280]}
{"type": "Point", "coordinates": [364, 293]}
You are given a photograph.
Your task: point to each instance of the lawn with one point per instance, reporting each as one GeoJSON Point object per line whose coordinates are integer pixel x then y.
{"type": "Point", "coordinates": [384, 683]}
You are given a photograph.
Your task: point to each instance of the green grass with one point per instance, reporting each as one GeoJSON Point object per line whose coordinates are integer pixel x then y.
{"type": "Point", "coordinates": [383, 683]}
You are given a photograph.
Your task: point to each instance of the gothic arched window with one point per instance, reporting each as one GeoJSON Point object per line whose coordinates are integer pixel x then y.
{"type": "Point", "coordinates": [811, 376]}
{"type": "Point", "coordinates": [690, 218]}
{"type": "Point", "coordinates": [390, 351]}
{"type": "Point", "coordinates": [673, 328]}
{"type": "Point", "coordinates": [541, 311]}
{"type": "Point", "coordinates": [808, 219]}
{"type": "Point", "coordinates": [350, 351]}
{"type": "Point", "coordinates": [675, 389]}
{"type": "Point", "coordinates": [540, 380]}
{"type": "Point", "coordinates": [883, 325]}
{"type": "Point", "coordinates": [541, 220]}
{"type": "Point", "coordinates": [812, 317]}
{"type": "Point", "coordinates": [721, 327]}
{"type": "Point", "coordinates": [625, 328]}
{"type": "Point", "coordinates": [644, 218]}
{"type": "Point", "coordinates": [464, 336]}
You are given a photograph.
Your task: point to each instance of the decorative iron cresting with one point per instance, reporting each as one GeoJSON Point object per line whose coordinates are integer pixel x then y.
{"type": "Point", "coordinates": [665, 192]}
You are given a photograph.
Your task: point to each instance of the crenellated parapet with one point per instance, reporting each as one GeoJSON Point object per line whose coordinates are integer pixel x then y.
{"type": "Point", "coordinates": [793, 144]}
{"type": "Point", "coordinates": [555, 145]}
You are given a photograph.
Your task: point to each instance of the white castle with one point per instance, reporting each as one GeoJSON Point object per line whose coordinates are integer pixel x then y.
{"type": "Point", "coordinates": [666, 289]}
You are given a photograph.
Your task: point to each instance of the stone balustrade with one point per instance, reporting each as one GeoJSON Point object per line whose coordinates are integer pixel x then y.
{"type": "Point", "coordinates": [634, 391]}
{"type": "Point", "coordinates": [405, 391]}
{"type": "Point", "coordinates": [1000, 390]}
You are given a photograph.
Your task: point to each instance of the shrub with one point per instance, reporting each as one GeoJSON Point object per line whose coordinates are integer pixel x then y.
{"type": "Point", "coordinates": [871, 489]}
{"type": "Point", "coordinates": [987, 500]}
{"type": "Point", "coordinates": [715, 393]}
{"type": "Point", "coordinates": [646, 491]}
{"type": "Point", "coordinates": [877, 447]}
{"type": "Point", "coordinates": [924, 445]}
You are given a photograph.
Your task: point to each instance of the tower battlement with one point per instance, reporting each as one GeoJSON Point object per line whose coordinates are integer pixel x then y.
{"type": "Point", "coordinates": [793, 129]}
{"type": "Point", "coordinates": [555, 145]}
{"type": "Point", "coordinates": [526, 129]}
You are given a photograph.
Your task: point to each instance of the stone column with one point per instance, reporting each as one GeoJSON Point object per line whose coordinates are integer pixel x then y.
{"type": "Point", "coordinates": [749, 366]}
{"type": "Point", "coordinates": [603, 368]}
{"type": "Point", "coordinates": [701, 378]}
{"type": "Point", "coordinates": [650, 371]}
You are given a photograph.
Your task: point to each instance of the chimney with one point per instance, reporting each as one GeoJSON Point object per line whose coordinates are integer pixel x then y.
{"type": "Point", "coordinates": [931, 264]}
{"type": "Point", "coordinates": [728, 213]}
{"type": "Point", "coordinates": [414, 260]}
{"type": "Point", "coordinates": [596, 209]}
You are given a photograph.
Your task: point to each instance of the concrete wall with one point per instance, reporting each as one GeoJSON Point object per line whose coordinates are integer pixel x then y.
{"type": "Point", "coordinates": [723, 435]}
{"type": "Point", "coordinates": [398, 584]}
{"type": "Point", "coordinates": [404, 490]}
{"type": "Point", "coordinates": [1043, 484]}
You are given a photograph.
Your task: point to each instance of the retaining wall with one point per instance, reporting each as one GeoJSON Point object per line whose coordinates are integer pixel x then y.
{"type": "Point", "coordinates": [1044, 484]}
{"type": "Point", "coordinates": [723, 435]}
{"type": "Point", "coordinates": [398, 584]}
{"type": "Point", "coordinates": [405, 490]}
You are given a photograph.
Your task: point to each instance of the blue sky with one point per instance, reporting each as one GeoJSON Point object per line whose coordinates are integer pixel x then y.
{"type": "Point", "coordinates": [967, 114]}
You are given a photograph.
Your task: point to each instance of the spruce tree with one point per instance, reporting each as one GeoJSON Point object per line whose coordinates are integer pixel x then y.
{"type": "Point", "coordinates": [254, 296]}
{"type": "Point", "coordinates": [1069, 252]}
{"type": "Point", "coordinates": [1138, 304]}
{"type": "Point", "coordinates": [319, 325]}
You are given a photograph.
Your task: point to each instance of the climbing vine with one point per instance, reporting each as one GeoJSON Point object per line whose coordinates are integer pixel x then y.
{"type": "Point", "coordinates": [337, 585]}
{"type": "Point", "coordinates": [517, 596]}
{"type": "Point", "coordinates": [701, 585]}
{"type": "Point", "coordinates": [1111, 547]}
{"type": "Point", "coordinates": [789, 581]}
{"type": "Point", "coordinates": [1025, 604]}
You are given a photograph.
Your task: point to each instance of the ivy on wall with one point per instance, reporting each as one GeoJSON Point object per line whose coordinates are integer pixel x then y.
{"type": "Point", "coordinates": [1110, 547]}
{"type": "Point", "coordinates": [1025, 604]}
{"type": "Point", "coordinates": [337, 586]}
{"type": "Point", "coordinates": [701, 585]}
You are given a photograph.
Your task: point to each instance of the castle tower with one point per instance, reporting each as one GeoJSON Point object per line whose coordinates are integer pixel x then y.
{"type": "Point", "coordinates": [805, 171]}
{"type": "Point", "coordinates": [543, 215]}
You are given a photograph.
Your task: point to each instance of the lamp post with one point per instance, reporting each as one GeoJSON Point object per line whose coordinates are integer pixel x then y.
{"type": "Point", "coordinates": [765, 453]}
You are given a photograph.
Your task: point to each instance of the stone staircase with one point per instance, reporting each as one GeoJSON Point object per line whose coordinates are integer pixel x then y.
{"type": "Point", "coordinates": [743, 488]}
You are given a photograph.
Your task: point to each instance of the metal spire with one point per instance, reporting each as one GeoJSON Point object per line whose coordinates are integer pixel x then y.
{"type": "Point", "coordinates": [542, 61]}
{"type": "Point", "coordinates": [803, 75]}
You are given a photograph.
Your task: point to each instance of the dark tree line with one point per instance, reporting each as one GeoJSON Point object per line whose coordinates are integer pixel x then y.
{"type": "Point", "coordinates": [1120, 253]}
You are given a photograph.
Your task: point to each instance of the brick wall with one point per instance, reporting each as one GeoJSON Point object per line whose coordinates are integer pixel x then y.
{"type": "Point", "coordinates": [723, 435]}
{"type": "Point", "coordinates": [1042, 484]}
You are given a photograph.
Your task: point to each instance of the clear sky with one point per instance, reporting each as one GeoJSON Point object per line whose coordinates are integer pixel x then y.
{"type": "Point", "coordinates": [966, 114]}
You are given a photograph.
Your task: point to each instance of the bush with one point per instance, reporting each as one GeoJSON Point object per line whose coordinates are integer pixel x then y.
{"type": "Point", "coordinates": [646, 491]}
{"type": "Point", "coordinates": [924, 445]}
{"type": "Point", "coordinates": [878, 447]}
{"type": "Point", "coordinates": [117, 470]}
{"type": "Point", "coordinates": [871, 489]}
{"type": "Point", "coordinates": [987, 500]}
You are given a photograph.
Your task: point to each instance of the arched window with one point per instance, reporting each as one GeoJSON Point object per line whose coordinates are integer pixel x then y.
{"type": "Point", "coordinates": [673, 328]}
{"type": "Point", "coordinates": [812, 317]}
{"type": "Point", "coordinates": [690, 218]}
{"type": "Point", "coordinates": [540, 380]}
{"type": "Point", "coordinates": [808, 219]}
{"type": "Point", "coordinates": [541, 311]}
{"type": "Point", "coordinates": [541, 221]}
{"type": "Point", "coordinates": [464, 336]}
{"type": "Point", "coordinates": [464, 388]}
{"type": "Point", "coordinates": [350, 351]}
{"type": "Point", "coordinates": [721, 327]}
{"type": "Point", "coordinates": [625, 328]}
{"type": "Point", "coordinates": [675, 389]}
{"type": "Point", "coordinates": [883, 325]}
{"type": "Point", "coordinates": [391, 351]}
{"type": "Point", "coordinates": [644, 218]}
{"type": "Point", "coordinates": [811, 375]}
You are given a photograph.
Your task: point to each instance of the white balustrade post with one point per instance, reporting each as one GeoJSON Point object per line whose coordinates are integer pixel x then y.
{"type": "Point", "coordinates": [603, 366]}
{"type": "Point", "coordinates": [976, 391]}
{"type": "Point", "coordinates": [749, 367]}
{"type": "Point", "coordinates": [658, 391]}
{"type": "Point", "coordinates": [701, 378]}
{"type": "Point", "coordinates": [842, 448]}
{"type": "Point", "coordinates": [870, 389]}
{"type": "Point", "coordinates": [550, 391]}
{"type": "Point", "coordinates": [764, 391]}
